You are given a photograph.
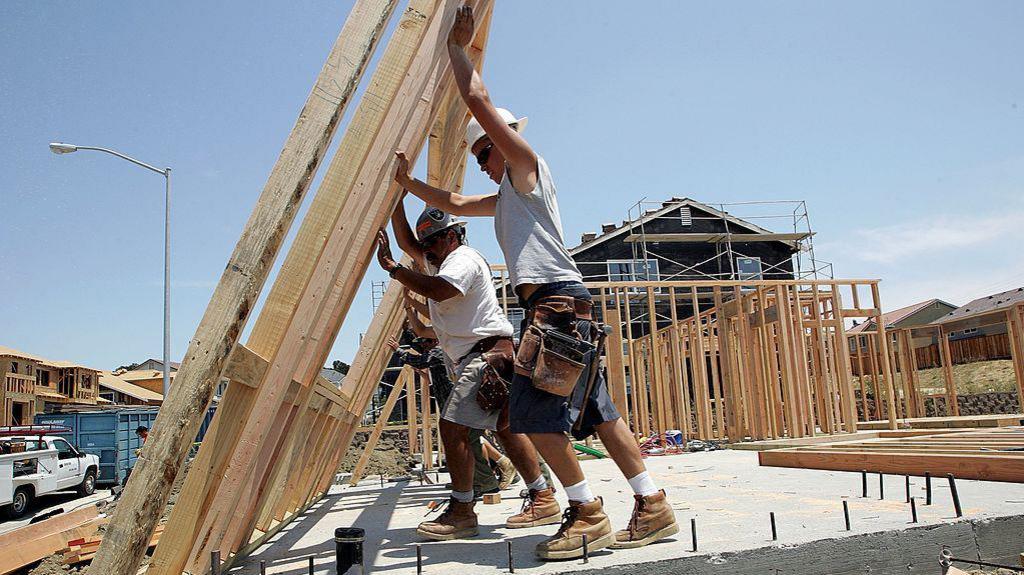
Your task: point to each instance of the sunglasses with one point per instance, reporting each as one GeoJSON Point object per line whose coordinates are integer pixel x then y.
{"type": "Point", "coordinates": [484, 154]}
{"type": "Point", "coordinates": [429, 241]}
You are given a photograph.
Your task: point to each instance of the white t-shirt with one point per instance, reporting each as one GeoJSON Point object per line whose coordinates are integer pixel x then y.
{"type": "Point", "coordinates": [465, 319]}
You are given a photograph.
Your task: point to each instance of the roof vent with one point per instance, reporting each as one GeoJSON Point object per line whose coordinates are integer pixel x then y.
{"type": "Point", "coordinates": [588, 236]}
{"type": "Point", "coordinates": [605, 228]}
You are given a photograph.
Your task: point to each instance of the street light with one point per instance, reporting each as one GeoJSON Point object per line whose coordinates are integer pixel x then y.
{"type": "Point", "coordinates": [62, 148]}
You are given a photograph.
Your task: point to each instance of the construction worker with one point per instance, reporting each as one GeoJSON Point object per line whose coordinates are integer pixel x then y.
{"type": "Point", "coordinates": [476, 338]}
{"type": "Point", "coordinates": [529, 231]}
{"type": "Point", "coordinates": [424, 355]}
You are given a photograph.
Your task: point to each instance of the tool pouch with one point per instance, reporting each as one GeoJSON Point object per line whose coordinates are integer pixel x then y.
{"type": "Point", "coordinates": [497, 373]}
{"type": "Point", "coordinates": [559, 363]}
{"type": "Point", "coordinates": [551, 352]}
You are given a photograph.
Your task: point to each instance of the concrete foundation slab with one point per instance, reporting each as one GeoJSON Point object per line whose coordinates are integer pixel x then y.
{"type": "Point", "coordinates": [727, 493]}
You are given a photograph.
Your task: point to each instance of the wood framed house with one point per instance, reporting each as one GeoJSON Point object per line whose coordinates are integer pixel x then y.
{"type": "Point", "coordinates": [33, 384]}
{"type": "Point", "coordinates": [120, 392]}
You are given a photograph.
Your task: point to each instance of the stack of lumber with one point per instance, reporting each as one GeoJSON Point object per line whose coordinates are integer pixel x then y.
{"type": "Point", "coordinates": [984, 454]}
{"type": "Point", "coordinates": [32, 543]}
{"type": "Point", "coordinates": [84, 548]}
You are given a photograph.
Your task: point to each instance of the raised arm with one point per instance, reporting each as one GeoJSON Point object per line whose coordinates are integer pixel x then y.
{"type": "Point", "coordinates": [404, 236]}
{"type": "Point", "coordinates": [421, 307]}
{"type": "Point", "coordinates": [417, 326]}
{"type": "Point", "coordinates": [520, 157]}
{"type": "Point", "coordinates": [452, 203]}
{"type": "Point", "coordinates": [432, 287]}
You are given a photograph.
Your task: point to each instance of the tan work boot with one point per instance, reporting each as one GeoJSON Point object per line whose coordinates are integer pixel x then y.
{"type": "Point", "coordinates": [652, 519]}
{"type": "Point", "coordinates": [508, 473]}
{"type": "Point", "coordinates": [578, 520]}
{"type": "Point", "coordinates": [539, 508]}
{"type": "Point", "coordinates": [456, 522]}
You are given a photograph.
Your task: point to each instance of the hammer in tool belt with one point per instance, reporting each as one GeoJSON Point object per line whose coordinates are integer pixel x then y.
{"type": "Point", "coordinates": [603, 330]}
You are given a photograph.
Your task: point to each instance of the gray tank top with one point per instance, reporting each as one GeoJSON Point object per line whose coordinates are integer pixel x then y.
{"type": "Point", "coordinates": [529, 231]}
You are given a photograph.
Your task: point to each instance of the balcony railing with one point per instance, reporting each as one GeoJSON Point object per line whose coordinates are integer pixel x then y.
{"type": "Point", "coordinates": [20, 383]}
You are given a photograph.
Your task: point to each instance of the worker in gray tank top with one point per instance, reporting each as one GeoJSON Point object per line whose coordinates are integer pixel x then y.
{"type": "Point", "coordinates": [547, 393]}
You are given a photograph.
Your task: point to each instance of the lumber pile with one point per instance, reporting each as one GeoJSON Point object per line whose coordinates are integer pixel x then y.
{"type": "Point", "coordinates": [280, 430]}
{"type": "Point", "coordinates": [32, 543]}
{"type": "Point", "coordinates": [84, 548]}
{"type": "Point", "coordinates": [986, 454]}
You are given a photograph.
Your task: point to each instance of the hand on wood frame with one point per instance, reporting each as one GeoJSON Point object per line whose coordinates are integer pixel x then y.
{"type": "Point", "coordinates": [384, 257]}
{"type": "Point", "coordinates": [462, 30]}
{"type": "Point", "coordinates": [402, 170]}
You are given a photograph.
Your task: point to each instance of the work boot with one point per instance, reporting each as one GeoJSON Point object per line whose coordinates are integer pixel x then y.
{"type": "Point", "coordinates": [652, 520]}
{"type": "Point", "coordinates": [578, 520]}
{"type": "Point", "coordinates": [456, 522]}
{"type": "Point", "coordinates": [507, 473]}
{"type": "Point", "coordinates": [539, 508]}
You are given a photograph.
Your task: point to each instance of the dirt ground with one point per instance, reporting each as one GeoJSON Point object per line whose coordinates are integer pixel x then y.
{"type": "Point", "coordinates": [390, 458]}
{"type": "Point", "coordinates": [977, 377]}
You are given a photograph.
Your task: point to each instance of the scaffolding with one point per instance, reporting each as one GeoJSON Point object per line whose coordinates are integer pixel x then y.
{"type": "Point", "coordinates": [742, 223]}
{"type": "Point", "coordinates": [377, 290]}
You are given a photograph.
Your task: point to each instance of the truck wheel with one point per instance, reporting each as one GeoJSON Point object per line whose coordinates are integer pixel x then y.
{"type": "Point", "coordinates": [88, 485]}
{"type": "Point", "coordinates": [20, 503]}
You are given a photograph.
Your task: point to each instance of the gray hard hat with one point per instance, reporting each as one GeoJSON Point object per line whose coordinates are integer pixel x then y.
{"type": "Point", "coordinates": [433, 221]}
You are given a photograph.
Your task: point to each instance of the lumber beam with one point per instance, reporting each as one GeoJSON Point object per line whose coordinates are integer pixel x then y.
{"type": "Point", "coordinates": [962, 466]}
{"type": "Point", "coordinates": [131, 528]}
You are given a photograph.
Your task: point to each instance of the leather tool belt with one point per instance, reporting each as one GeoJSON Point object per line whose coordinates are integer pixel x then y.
{"type": "Point", "coordinates": [498, 354]}
{"type": "Point", "coordinates": [551, 350]}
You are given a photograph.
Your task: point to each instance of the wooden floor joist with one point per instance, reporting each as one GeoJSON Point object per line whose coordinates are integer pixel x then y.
{"type": "Point", "coordinates": [986, 454]}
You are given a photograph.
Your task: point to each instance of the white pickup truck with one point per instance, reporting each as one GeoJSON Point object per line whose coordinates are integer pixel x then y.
{"type": "Point", "coordinates": [42, 464]}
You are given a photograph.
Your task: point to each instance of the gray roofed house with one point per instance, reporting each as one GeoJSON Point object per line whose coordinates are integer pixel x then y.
{"type": "Point", "coordinates": [332, 376]}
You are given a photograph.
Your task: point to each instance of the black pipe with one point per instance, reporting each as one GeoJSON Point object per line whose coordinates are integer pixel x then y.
{"type": "Point", "coordinates": [775, 533]}
{"type": "Point", "coordinates": [864, 482]}
{"type": "Point", "coordinates": [311, 557]}
{"type": "Point", "coordinates": [956, 496]}
{"type": "Point", "coordinates": [511, 566]}
{"type": "Point", "coordinates": [913, 510]}
{"type": "Point", "coordinates": [693, 532]}
{"type": "Point", "coordinates": [881, 485]}
{"type": "Point", "coordinates": [846, 514]}
{"type": "Point", "coordinates": [419, 559]}
{"type": "Point", "coordinates": [586, 551]}
{"type": "Point", "coordinates": [263, 567]}
{"type": "Point", "coordinates": [927, 488]}
{"type": "Point", "coordinates": [348, 542]}
{"type": "Point", "coordinates": [214, 562]}
{"type": "Point", "coordinates": [907, 477]}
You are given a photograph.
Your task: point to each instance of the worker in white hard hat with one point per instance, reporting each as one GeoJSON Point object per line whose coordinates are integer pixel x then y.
{"type": "Point", "coordinates": [546, 401]}
{"type": "Point", "coordinates": [476, 338]}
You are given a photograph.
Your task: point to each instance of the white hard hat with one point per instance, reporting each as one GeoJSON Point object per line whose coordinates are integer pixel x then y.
{"type": "Point", "coordinates": [474, 131]}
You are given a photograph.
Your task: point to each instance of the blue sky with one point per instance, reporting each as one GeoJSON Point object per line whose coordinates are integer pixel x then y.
{"type": "Point", "coordinates": [901, 125]}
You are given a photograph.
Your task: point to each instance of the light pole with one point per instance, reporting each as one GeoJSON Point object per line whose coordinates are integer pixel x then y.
{"type": "Point", "coordinates": [61, 148]}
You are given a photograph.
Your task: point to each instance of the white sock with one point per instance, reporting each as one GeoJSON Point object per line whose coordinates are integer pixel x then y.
{"type": "Point", "coordinates": [579, 493]}
{"type": "Point", "coordinates": [538, 484]}
{"type": "Point", "coordinates": [462, 496]}
{"type": "Point", "coordinates": [643, 485]}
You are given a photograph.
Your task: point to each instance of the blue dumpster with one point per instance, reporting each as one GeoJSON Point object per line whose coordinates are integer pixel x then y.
{"type": "Point", "coordinates": [110, 435]}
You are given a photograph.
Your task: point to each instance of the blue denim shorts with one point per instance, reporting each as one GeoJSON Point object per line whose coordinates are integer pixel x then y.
{"type": "Point", "coordinates": [532, 410]}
